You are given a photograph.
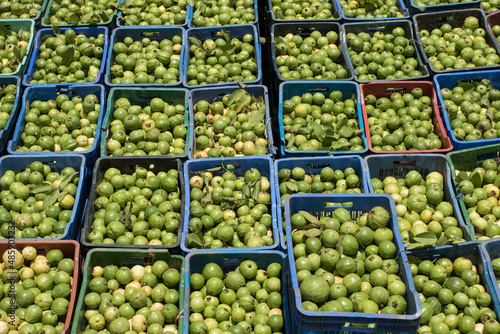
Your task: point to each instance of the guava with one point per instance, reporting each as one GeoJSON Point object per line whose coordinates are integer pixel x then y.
{"type": "Point", "coordinates": [314, 288]}
{"type": "Point", "coordinates": [378, 217]}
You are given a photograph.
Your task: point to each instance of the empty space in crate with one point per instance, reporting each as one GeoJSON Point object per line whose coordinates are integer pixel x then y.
{"type": "Point", "coordinates": [454, 18]}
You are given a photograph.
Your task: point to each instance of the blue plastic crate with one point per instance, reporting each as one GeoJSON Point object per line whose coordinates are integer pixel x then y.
{"type": "Point", "coordinates": [196, 261]}
{"type": "Point", "coordinates": [87, 31]}
{"type": "Point", "coordinates": [7, 131]}
{"type": "Point", "coordinates": [471, 251]}
{"type": "Point", "coordinates": [191, 11]}
{"type": "Point", "coordinates": [455, 18]}
{"type": "Point", "coordinates": [385, 27]}
{"type": "Point", "coordinates": [143, 98]}
{"type": "Point", "coordinates": [290, 89]}
{"type": "Point", "coordinates": [237, 166]}
{"type": "Point", "coordinates": [128, 165]}
{"type": "Point", "coordinates": [304, 29]}
{"type": "Point", "coordinates": [398, 165]}
{"type": "Point", "coordinates": [25, 25]}
{"type": "Point", "coordinates": [213, 33]}
{"type": "Point", "coordinates": [450, 81]}
{"type": "Point", "coordinates": [47, 14]}
{"type": "Point", "coordinates": [400, 4]}
{"type": "Point", "coordinates": [314, 165]}
{"type": "Point", "coordinates": [216, 94]}
{"type": "Point", "coordinates": [119, 23]}
{"type": "Point", "coordinates": [47, 92]}
{"type": "Point", "coordinates": [491, 250]}
{"type": "Point", "coordinates": [272, 17]}
{"type": "Point", "coordinates": [157, 33]}
{"type": "Point", "coordinates": [335, 322]}
{"type": "Point", "coordinates": [56, 163]}
{"type": "Point", "coordinates": [415, 9]}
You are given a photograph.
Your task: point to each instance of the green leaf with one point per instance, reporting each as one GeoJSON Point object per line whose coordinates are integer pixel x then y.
{"type": "Point", "coordinates": [476, 179]}
{"type": "Point", "coordinates": [104, 16]}
{"type": "Point", "coordinates": [279, 14]}
{"type": "Point", "coordinates": [291, 186]}
{"type": "Point", "coordinates": [215, 169]}
{"type": "Point", "coordinates": [427, 238]}
{"type": "Point", "coordinates": [226, 34]}
{"type": "Point", "coordinates": [17, 52]}
{"type": "Point", "coordinates": [341, 123]}
{"type": "Point", "coordinates": [416, 246]}
{"type": "Point", "coordinates": [204, 178]}
{"type": "Point", "coordinates": [242, 85]}
{"type": "Point", "coordinates": [328, 141]}
{"type": "Point", "coordinates": [257, 115]}
{"type": "Point", "coordinates": [338, 247]}
{"type": "Point", "coordinates": [466, 86]}
{"type": "Point", "coordinates": [68, 179]}
{"type": "Point", "coordinates": [242, 102]}
{"type": "Point", "coordinates": [4, 31]}
{"type": "Point", "coordinates": [72, 18]}
{"type": "Point", "coordinates": [444, 241]}
{"type": "Point", "coordinates": [87, 17]}
{"type": "Point", "coordinates": [41, 188]}
{"type": "Point", "coordinates": [318, 130]}
{"type": "Point", "coordinates": [312, 233]}
{"type": "Point", "coordinates": [62, 194]}
{"type": "Point", "coordinates": [291, 141]}
{"type": "Point", "coordinates": [228, 49]}
{"type": "Point", "coordinates": [235, 96]}
{"type": "Point", "coordinates": [279, 40]}
{"type": "Point", "coordinates": [194, 240]}
{"type": "Point", "coordinates": [347, 132]}
{"type": "Point", "coordinates": [50, 199]}
{"type": "Point", "coordinates": [56, 30]}
{"type": "Point", "coordinates": [256, 191]}
{"type": "Point", "coordinates": [207, 199]}
{"type": "Point", "coordinates": [246, 191]}
{"type": "Point", "coordinates": [68, 56]}
{"type": "Point", "coordinates": [309, 217]}
{"type": "Point", "coordinates": [195, 41]}
{"type": "Point", "coordinates": [462, 176]}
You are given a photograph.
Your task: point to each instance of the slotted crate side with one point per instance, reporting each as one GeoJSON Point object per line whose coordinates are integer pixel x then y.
{"type": "Point", "coordinates": [309, 322]}
{"type": "Point", "coordinates": [386, 27]}
{"type": "Point", "coordinates": [314, 165]}
{"type": "Point", "coordinates": [229, 261]}
{"type": "Point", "coordinates": [304, 29]}
{"type": "Point", "coordinates": [490, 250]}
{"type": "Point", "coordinates": [216, 94]}
{"type": "Point", "coordinates": [87, 31]}
{"type": "Point", "coordinates": [398, 166]}
{"type": "Point", "coordinates": [450, 81]}
{"type": "Point", "coordinates": [143, 98]}
{"type": "Point", "coordinates": [123, 258]}
{"type": "Point", "coordinates": [6, 133]}
{"type": "Point", "coordinates": [16, 25]}
{"type": "Point", "coordinates": [290, 89]}
{"type": "Point", "coordinates": [386, 89]}
{"type": "Point", "coordinates": [456, 19]}
{"type": "Point", "coordinates": [128, 165]}
{"type": "Point", "coordinates": [155, 33]}
{"type": "Point", "coordinates": [213, 33]}
{"type": "Point", "coordinates": [71, 250]}
{"type": "Point", "coordinates": [57, 163]}
{"type": "Point", "coordinates": [238, 166]}
{"type": "Point", "coordinates": [46, 93]}
{"type": "Point", "coordinates": [469, 4]}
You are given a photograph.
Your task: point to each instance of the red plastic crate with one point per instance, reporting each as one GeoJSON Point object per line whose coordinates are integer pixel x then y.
{"type": "Point", "coordinates": [386, 88]}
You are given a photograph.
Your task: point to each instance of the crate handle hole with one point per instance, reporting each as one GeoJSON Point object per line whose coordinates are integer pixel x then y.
{"type": "Point", "coordinates": [148, 167]}
{"type": "Point", "coordinates": [375, 29]}
{"type": "Point", "coordinates": [338, 205]}
{"type": "Point", "coordinates": [350, 326]}
{"type": "Point", "coordinates": [446, 19]}
{"type": "Point", "coordinates": [404, 163]}
{"type": "Point", "coordinates": [135, 259]}
{"type": "Point", "coordinates": [470, 80]}
{"type": "Point", "coordinates": [395, 90]}
{"type": "Point", "coordinates": [151, 33]}
{"type": "Point", "coordinates": [319, 89]}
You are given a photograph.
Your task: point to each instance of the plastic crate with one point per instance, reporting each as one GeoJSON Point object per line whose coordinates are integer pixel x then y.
{"type": "Point", "coordinates": [156, 33]}
{"type": "Point", "coordinates": [385, 89]}
{"type": "Point", "coordinates": [491, 250]}
{"type": "Point", "coordinates": [56, 163]}
{"type": "Point", "coordinates": [400, 4]}
{"type": "Point", "coordinates": [290, 89]}
{"type": "Point", "coordinates": [471, 251]}
{"type": "Point", "coordinates": [454, 18]}
{"type": "Point", "coordinates": [237, 166]}
{"type": "Point", "coordinates": [470, 4]}
{"type": "Point", "coordinates": [127, 165]}
{"type": "Point", "coordinates": [386, 27]}
{"type": "Point", "coordinates": [216, 94]}
{"type": "Point", "coordinates": [398, 165]}
{"type": "Point", "coordinates": [87, 31]}
{"type": "Point", "coordinates": [493, 19]}
{"type": "Point", "coordinates": [38, 15]}
{"type": "Point", "coordinates": [468, 160]}
{"type": "Point", "coordinates": [46, 93]}
{"type": "Point", "coordinates": [25, 25]}
{"type": "Point", "coordinates": [196, 261]}
{"type": "Point", "coordinates": [334, 322]}
{"type": "Point", "coordinates": [124, 258]}
{"type": "Point", "coordinates": [273, 19]}
{"type": "Point", "coordinates": [45, 22]}
{"type": "Point", "coordinates": [191, 11]}
{"type": "Point", "coordinates": [70, 249]}
{"type": "Point", "coordinates": [314, 166]}
{"type": "Point", "coordinates": [213, 33]}
{"type": "Point", "coordinates": [451, 80]}
{"type": "Point", "coordinates": [143, 98]}
{"type": "Point", "coordinates": [304, 29]}
{"type": "Point", "coordinates": [119, 23]}
{"type": "Point", "coordinates": [7, 131]}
